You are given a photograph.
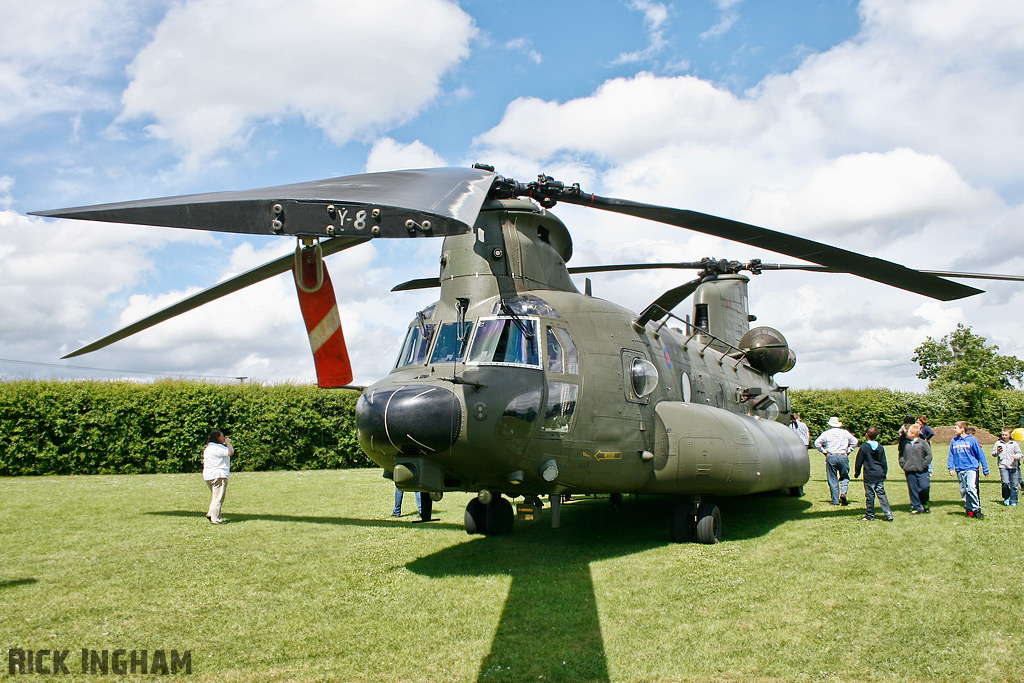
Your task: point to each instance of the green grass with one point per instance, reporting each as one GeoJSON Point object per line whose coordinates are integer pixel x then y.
{"type": "Point", "coordinates": [312, 580]}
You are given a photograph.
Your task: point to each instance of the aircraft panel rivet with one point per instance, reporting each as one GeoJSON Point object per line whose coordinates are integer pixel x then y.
{"type": "Point", "coordinates": [375, 231]}
{"type": "Point", "coordinates": [375, 214]}
{"type": "Point", "coordinates": [276, 225]}
{"type": "Point", "coordinates": [425, 226]}
{"type": "Point", "coordinates": [278, 209]}
{"type": "Point", "coordinates": [410, 224]}
{"type": "Point", "coordinates": [480, 411]}
{"type": "Point", "coordinates": [497, 253]}
{"type": "Point", "coordinates": [331, 210]}
{"type": "Point", "coordinates": [330, 230]}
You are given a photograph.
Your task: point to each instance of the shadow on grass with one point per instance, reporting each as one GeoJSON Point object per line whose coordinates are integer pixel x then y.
{"type": "Point", "coordinates": [549, 627]}
{"type": "Point", "coordinates": [12, 583]}
{"type": "Point", "coordinates": [343, 521]}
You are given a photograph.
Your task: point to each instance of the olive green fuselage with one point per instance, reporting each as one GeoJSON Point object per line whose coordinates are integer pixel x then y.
{"type": "Point", "coordinates": [553, 390]}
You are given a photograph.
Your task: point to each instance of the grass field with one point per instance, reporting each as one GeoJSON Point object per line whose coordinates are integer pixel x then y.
{"type": "Point", "coordinates": [312, 580]}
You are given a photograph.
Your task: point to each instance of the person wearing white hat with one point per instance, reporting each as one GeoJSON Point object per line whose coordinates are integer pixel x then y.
{"type": "Point", "coordinates": [837, 444]}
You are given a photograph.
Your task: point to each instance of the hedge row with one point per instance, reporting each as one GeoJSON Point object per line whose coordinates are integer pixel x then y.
{"type": "Point", "coordinates": [90, 427]}
{"type": "Point", "coordinates": [120, 427]}
{"type": "Point", "coordinates": [885, 409]}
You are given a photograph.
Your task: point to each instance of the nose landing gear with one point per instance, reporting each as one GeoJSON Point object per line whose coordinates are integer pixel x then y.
{"type": "Point", "coordinates": [491, 519]}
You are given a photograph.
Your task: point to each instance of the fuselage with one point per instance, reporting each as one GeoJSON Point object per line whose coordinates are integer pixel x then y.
{"type": "Point", "coordinates": [515, 382]}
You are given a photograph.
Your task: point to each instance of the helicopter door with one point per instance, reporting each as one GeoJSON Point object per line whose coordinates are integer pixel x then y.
{"type": "Point", "coordinates": [562, 368]}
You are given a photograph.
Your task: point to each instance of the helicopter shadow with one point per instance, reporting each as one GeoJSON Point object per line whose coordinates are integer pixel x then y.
{"type": "Point", "coordinates": [238, 518]}
{"type": "Point", "coordinates": [549, 628]}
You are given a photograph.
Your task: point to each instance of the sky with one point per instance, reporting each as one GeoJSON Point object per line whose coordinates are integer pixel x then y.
{"type": "Point", "coordinates": [894, 128]}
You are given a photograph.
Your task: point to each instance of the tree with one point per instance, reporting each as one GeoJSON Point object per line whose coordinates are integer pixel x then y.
{"type": "Point", "coordinates": [963, 366]}
{"type": "Point", "coordinates": [962, 357]}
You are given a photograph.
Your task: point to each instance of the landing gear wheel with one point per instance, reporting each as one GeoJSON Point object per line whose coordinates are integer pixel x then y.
{"type": "Point", "coordinates": [796, 491]}
{"type": "Point", "coordinates": [709, 523]}
{"type": "Point", "coordinates": [476, 517]}
{"type": "Point", "coordinates": [683, 525]}
{"type": "Point", "coordinates": [499, 517]}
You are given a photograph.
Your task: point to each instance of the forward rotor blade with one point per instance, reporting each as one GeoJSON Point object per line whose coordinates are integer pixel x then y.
{"type": "Point", "coordinates": [251, 277]}
{"type": "Point", "coordinates": [667, 301]}
{"type": "Point", "coordinates": [413, 203]}
{"type": "Point", "coordinates": [835, 258]}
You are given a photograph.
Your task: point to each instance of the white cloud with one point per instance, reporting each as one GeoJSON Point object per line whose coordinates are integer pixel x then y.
{"type": "Point", "coordinates": [45, 67]}
{"type": "Point", "coordinates": [216, 68]}
{"type": "Point", "coordinates": [388, 154]}
{"type": "Point", "coordinates": [655, 18]}
{"type": "Point", "coordinates": [524, 46]}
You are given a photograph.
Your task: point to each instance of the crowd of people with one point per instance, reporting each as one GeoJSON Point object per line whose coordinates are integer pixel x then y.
{"type": "Point", "coordinates": [966, 461]}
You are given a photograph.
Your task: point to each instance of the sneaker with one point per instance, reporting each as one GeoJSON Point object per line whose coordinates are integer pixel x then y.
{"type": "Point", "coordinates": [889, 518]}
{"type": "Point", "coordinates": [978, 515]}
{"type": "Point", "coordinates": [1013, 505]}
{"type": "Point", "coordinates": [395, 514]}
{"type": "Point", "coordinates": [842, 499]}
{"type": "Point", "coordinates": [927, 511]}
{"type": "Point", "coordinates": [970, 513]}
{"type": "Point", "coordinates": [1006, 502]}
{"type": "Point", "coordinates": [915, 512]}
{"type": "Point", "coordinates": [865, 518]}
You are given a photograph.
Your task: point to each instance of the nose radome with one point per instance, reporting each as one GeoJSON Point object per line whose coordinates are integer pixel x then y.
{"type": "Point", "coordinates": [416, 419]}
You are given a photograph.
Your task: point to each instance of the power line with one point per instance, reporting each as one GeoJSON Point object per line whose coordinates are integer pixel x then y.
{"type": "Point", "coordinates": [136, 372]}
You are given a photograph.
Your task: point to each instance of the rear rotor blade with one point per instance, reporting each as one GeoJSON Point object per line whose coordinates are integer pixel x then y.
{"type": "Point", "coordinates": [251, 277]}
{"type": "Point", "coordinates": [413, 203]}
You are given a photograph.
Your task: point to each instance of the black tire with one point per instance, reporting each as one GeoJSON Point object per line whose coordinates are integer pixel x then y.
{"type": "Point", "coordinates": [796, 491]}
{"type": "Point", "coordinates": [500, 517]}
{"type": "Point", "coordinates": [709, 523]}
{"type": "Point", "coordinates": [476, 517]}
{"type": "Point", "coordinates": [683, 526]}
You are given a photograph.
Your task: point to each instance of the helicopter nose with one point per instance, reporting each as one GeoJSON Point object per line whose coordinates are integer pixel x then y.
{"type": "Point", "coordinates": [412, 420]}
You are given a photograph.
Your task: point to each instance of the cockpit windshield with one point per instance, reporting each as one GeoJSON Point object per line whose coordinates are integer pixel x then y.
{"type": "Point", "coordinates": [506, 341]}
{"type": "Point", "coordinates": [451, 342]}
{"type": "Point", "coordinates": [414, 349]}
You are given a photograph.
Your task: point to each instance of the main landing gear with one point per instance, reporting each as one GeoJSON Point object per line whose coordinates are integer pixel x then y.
{"type": "Point", "coordinates": [696, 520]}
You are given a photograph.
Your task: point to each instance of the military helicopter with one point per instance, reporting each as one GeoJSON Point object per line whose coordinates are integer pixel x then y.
{"type": "Point", "coordinates": [515, 384]}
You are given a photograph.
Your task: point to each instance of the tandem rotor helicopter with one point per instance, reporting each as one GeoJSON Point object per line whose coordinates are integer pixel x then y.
{"type": "Point", "coordinates": [515, 384]}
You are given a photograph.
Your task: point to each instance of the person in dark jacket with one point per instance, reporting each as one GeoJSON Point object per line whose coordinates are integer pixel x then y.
{"type": "Point", "coordinates": [871, 458]}
{"type": "Point", "coordinates": [915, 461]}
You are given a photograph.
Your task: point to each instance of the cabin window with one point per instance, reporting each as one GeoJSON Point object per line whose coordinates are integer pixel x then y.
{"type": "Point", "coordinates": [560, 407]}
{"type": "Point", "coordinates": [506, 341]}
{"type": "Point", "coordinates": [563, 358]}
{"type": "Point", "coordinates": [687, 389]}
{"type": "Point", "coordinates": [414, 349]}
{"type": "Point", "coordinates": [451, 342]}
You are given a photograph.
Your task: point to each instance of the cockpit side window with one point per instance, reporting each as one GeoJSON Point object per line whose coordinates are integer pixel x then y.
{"type": "Point", "coordinates": [563, 358]}
{"type": "Point", "coordinates": [451, 342]}
{"type": "Point", "coordinates": [506, 341]}
{"type": "Point", "coordinates": [414, 349]}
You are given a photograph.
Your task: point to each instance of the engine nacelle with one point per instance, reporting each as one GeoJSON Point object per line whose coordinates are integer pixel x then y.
{"type": "Point", "coordinates": [767, 350]}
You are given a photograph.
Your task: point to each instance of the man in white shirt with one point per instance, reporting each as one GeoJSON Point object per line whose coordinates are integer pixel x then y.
{"type": "Point", "coordinates": [797, 425]}
{"type": "Point", "coordinates": [837, 444]}
{"type": "Point", "coordinates": [216, 469]}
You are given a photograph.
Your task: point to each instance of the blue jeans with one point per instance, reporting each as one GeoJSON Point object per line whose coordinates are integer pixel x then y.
{"type": "Point", "coordinates": [1011, 484]}
{"type": "Point", "coordinates": [870, 491]}
{"type": "Point", "coordinates": [969, 489]}
{"type": "Point", "coordinates": [919, 485]}
{"type": "Point", "coordinates": [398, 503]}
{"type": "Point", "coordinates": [837, 468]}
